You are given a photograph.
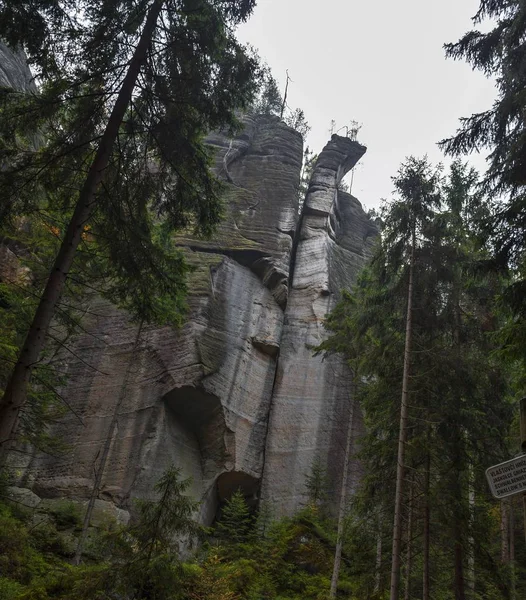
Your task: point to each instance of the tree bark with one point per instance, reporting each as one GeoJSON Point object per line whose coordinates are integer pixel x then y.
{"type": "Point", "coordinates": [409, 548]}
{"type": "Point", "coordinates": [427, 531]}
{"type": "Point", "coordinates": [458, 533]}
{"type": "Point", "coordinates": [471, 539]}
{"type": "Point", "coordinates": [343, 503]}
{"type": "Point", "coordinates": [402, 436]}
{"type": "Point", "coordinates": [459, 562]}
{"type": "Point", "coordinates": [284, 103]}
{"type": "Point", "coordinates": [378, 572]}
{"type": "Point", "coordinates": [504, 532]}
{"type": "Point", "coordinates": [513, 574]}
{"type": "Point", "coordinates": [105, 452]}
{"type": "Point", "coordinates": [16, 391]}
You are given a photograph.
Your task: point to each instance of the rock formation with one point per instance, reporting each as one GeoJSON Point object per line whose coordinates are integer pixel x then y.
{"type": "Point", "coordinates": [14, 72]}
{"type": "Point", "coordinates": [235, 397]}
{"type": "Point", "coordinates": [312, 397]}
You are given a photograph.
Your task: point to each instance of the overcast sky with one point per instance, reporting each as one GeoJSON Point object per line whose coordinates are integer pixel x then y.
{"type": "Point", "coordinates": [380, 63]}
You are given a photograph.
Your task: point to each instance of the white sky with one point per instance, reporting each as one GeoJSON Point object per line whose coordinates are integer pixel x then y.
{"type": "Point", "coordinates": [380, 63]}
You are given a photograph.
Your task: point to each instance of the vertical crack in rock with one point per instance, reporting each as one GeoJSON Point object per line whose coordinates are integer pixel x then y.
{"type": "Point", "coordinates": [311, 396]}
{"type": "Point", "coordinates": [197, 397]}
{"type": "Point", "coordinates": [200, 397]}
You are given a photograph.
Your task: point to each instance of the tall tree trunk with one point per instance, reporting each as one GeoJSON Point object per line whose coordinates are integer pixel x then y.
{"type": "Point", "coordinates": [105, 451]}
{"type": "Point", "coordinates": [458, 524]}
{"type": "Point", "coordinates": [471, 539]}
{"type": "Point", "coordinates": [402, 436]}
{"type": "Point", "coordinates": [427, 530]}
{"type": "Point", "coordinates": [16, 391]}
{"type": "Point", "coordinates": [458, 533]}
{"type": "Point", "coordinates": [513, 574]}
{"type": "Point", "coordinates": [504, 532]}
{"type": "Point", "coordinates": [378, 566]}
{"type": "Point", "coordinates": [459, 561]}
{"type": "Point", "coordinates": [409, 548]}
{"type": "Point", "coordinates": [343, 504]}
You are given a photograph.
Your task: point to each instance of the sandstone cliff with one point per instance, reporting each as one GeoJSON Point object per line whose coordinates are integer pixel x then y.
{"type": "Point", "coordinates": [234, 398]}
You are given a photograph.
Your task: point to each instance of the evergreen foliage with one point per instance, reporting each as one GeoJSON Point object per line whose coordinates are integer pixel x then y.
{"type": "Point", "coordinates": [499, 53]}
{"type": "Point", "coordinates": [458, 407]}
{"type": "Point", "coordinates": [236, 523]}
{"type": "Point", "coordinates": [127, 93]}
{"type": "Point", "coordinates": [269, 101]}
{"type": "Point", "coordinates": [292, 560]}
{"type": "Point", "coordinates": [317, 484]}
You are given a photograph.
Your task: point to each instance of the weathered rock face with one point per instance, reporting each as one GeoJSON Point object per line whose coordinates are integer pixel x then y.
{"type": "Point", "coordinates": [234, 398]}
{"type": "Point", "coordinates": [312, 405]}
{"type": "Point", "coordinates": [14, 72]}
{"type": "Point", "coordinates": [198, 397]}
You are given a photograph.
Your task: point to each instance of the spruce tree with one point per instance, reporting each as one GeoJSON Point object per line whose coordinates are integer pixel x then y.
{"type": "Point", "coordinates": [317, 484]}
{"type": "Point", "coordinates": [499, 53]}
{"type": "Point", "coordinates": [236, 523]}
{"type": "Point", "coordinates": [128, 92]}
{"type": "Point", "coordinates": [144, 555]}
{"type": "Point", "coordinates": [458, 388]}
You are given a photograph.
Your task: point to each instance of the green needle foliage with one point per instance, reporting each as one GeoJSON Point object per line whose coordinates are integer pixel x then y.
{"type": "Point", "coordinates": [458, 408]}
{"type": "Point", "coordinates": [158, 179]}
{"type": "Point", "coordinates": [127, 93]}
{"type": "Point", "coordinates": [236, 523]}
{"type": "Point", "coordinates": [499, 53]}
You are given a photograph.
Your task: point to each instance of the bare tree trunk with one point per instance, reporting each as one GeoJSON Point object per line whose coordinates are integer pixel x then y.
{"type": "Point", "coordinates": [504, 532]}
{"type": "Point", "coordinates": [522, 406]}
{"type": "Point", "coordinates": [409, 548]}
{"type": "Point", "coordinates": [471, 539]}
{"type": "Point", "coordinates": [458, 533]}
{"type": "Point", "coordinates": [459, 562]}
{"type": "Point", "coordinates": [284, 103]}
{"type": "Point", "coordinates": [378, 572]}
{"type": "Point", "coordinates": [511, 531]}
{"type": "Point", "coordinates": [402, 436]}
{"type": "Point", "coordinates": [427, 530]}
{"type": "Point", "coordinates": [16, 391]}
{"type": "Point", "coordinates": [343, 504]}
{"type": "Point", "coordinates": [105, 452]}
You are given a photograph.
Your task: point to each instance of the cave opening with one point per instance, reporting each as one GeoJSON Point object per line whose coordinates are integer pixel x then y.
{"type": "Point", "coordinates": [230, 482]}
{"type": "Point", "coordinates": [201, 413]}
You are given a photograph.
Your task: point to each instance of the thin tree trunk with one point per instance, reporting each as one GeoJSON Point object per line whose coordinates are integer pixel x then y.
{"type": "Point", "coordinates": [459, 562]}
{"type": "Point", "coordinates": [458, 537]}
{"type": "Point", "coordinates": [504, 532]}
{"type": "Point", "coordinates": [284, 103]}
{"type": "Point", "coordinates": [458, 533]}
{"type": "Point", "coordinates": [343, 504]}
{"type": "Point", "coordinates": [402, 436]}
{"type": "Point", "coordinates": [16, 391]}
{"type": "Point", "coordinates": [105, 451]}
{"type": "Point", "coordinates": [471, 539]}
{"type": "Point", "coordinates": [513, 581]}
{"type": "Point", "coordinates": [378, 572]}
{"type": "Point", "coordinates": [409, 549]}
{"type": "Point", "coordinates": [427, 530]}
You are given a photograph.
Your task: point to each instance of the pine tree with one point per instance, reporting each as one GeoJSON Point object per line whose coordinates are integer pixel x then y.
{"type": "Point", "coordinates": [123, 151]}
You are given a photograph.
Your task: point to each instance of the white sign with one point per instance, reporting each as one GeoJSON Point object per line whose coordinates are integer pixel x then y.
{"type": "Point", "coordinates": [508, 478]}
